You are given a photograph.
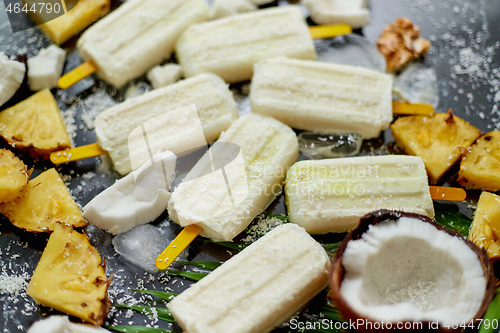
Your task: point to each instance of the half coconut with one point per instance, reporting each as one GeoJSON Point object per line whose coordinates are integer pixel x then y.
{"type": "Point", "coordinates": [402, 271]}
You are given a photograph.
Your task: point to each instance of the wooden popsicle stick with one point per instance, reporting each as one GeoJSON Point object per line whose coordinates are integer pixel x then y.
{"type": "Point", "coordinates": [410, 108]}
{"type": "Point", "coordinates": [77, 74]}
{"type": "Point", "coordinates": [179, 244]}
{"type": "Point", "coordinates": [447, 193]}
{"type": "Point", "coordinates": [76, 154]}
{"type": "Point", "coordinates": [329, 31]}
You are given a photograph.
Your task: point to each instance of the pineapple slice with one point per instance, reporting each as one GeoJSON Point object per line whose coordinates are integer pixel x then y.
{"type": "Point", "coordinates": [437, 139]}
{"type": "Point", "coordinates": [35, 122]}
{"type": "Point", "coordinates": [47, 201]}
{"type": "Point", "coordinates": [485, 229]}
{"type": "Point", "coordinates": [480, 164]}
{"type": "Point", "coordinates": [83, 14]}
{"type": "Point", "coordinates": [70, 277]}
{"type": "Point", "coordinates": [13, 176]}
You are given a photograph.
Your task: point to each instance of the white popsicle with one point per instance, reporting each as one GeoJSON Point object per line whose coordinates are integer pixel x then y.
{"type": "Point", "coordinates": [137, 36]}
{"type": "Point", "coordinates": [331, 195]}
{"type": "Point", "coordinates": [216, 110]}
{"type": "Point", "coordinates": [352, 12]}
{"type": "Point", "coordinates": [257, 289]}
{"type": "Point", "coordinates": [237, 179]}
{"type": "Point", "coordinates": [323, 97]}
{"type": "Point", "coordinates": [138, 198]}
{"type": "Point", "coordinates": [229, 47]}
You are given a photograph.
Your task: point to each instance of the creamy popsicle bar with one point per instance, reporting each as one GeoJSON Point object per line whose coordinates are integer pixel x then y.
{"type": "Point", "coordinates": [137, 36]}
{"type": "Point", "coordinates": [352, 12]}
{"type": "Point", "coordinates": [257, 289]}
{"type": "Point", "coordinates": [236, 179]}
{"type": "Point", "coordinates": [323, 97]}
{"type": "Point", "coordinates": [331, 195]}
{"type": "Point", "coordinates": [215, 107]}
{"type": "Point", "coordinates": [229, 47]}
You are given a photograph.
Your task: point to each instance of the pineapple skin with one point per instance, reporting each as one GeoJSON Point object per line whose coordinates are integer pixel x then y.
{"type": "Point", "coordinates": [70, 277]}
{"type": "Point", "coordinates": [35, 123]}
{"type": "Point", "coordinates": [46, 203]}
{"type": "Point", "coordinates": [437, 139]}
{"type": "Point", "coordinates": [480, 164]}
{"type": "Point", "coordinates": [14, 176]}
{"type": "Point", "coordinates": [74, 21]}
{"type": "Point", "coordinates": [485, 228]}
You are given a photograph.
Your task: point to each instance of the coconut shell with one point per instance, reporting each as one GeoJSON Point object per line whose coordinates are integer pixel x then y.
{"type": "Point", "coordinates": [381, 216]}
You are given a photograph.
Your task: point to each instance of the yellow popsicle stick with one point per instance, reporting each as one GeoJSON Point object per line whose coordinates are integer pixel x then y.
{"type": "Point", "coordinates": [77, 74]}
{"type": "Point", "coordinates": [328, 31]}
{"type": "Point", "coordinates": [447, 193]}
{"type": "Point", "coordinates": [179, 244]}
{"type": "Point", "coordinates": [76, 154]}
{"type": "Point", "coordinates": [415, 109]}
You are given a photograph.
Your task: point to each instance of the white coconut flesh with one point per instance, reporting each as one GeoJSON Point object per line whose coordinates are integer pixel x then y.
{"type": "Point", "coordinates": [409, 270]}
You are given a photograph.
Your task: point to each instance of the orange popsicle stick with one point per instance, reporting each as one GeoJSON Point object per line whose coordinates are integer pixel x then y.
{"type": "Point", "coordinates": [77, 74]}
{"type": "Point", "coordinates": [447, 193]}
{"type": "Point", "coordinates": [76, 154]}
{"type": "Point", "coordinates": [329, 31]}
{"type": "Point", "coordinates": [179, 244]}
{"type": "Point", "coordinates": [415, 109]}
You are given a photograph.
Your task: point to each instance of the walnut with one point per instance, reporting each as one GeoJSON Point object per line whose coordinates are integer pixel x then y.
{"type": "Point", "coordinates": [400, 43]}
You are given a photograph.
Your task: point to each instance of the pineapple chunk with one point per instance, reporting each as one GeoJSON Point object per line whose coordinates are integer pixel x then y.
{"type": "Point", "coordinates": [71, 278]}
{"type": "Point", "coordinates": [47, 201]}
{"type": "Point", "coordinates": [13, 176]}
{"type": "Point", "coordinates": [485, 229]}
{"type": "Point", "coordinates": [480, 164]}
{"type": "Point", "coordinates": [437, 139]}
{"type": "Point", "coordinates": [35, 122]}
{"type": "Point", "coordinates": [83, 14]}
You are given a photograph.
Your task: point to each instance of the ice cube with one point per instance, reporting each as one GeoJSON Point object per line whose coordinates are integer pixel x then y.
{"type": "Point", "coordinates": [350, 50]}
{"type": "Point", "coordinates": [417, 84]}
{"type": "Point", "coordinates": [142, 244]}
{"type": "Point", "coordinates": [318, 146]}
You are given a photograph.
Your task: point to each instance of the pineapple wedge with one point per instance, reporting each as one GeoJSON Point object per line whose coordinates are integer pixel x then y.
{"type": "Point", "coordinates": [71, 278]}
{"type": "Point", "coordinates": [437, 139]}
{"type": "Point", "coordinates": [83, 14]}
{"type": "Point", "coordinates": [47, 203]}
{"type": "Point", "coordinates": [480, 164]}
{"type": "Point", "coordinates": [13, 176]}
{"type": "Point", "coordinates": [35, 122]}
{"type": "Point", "coordinates": [485, 229]}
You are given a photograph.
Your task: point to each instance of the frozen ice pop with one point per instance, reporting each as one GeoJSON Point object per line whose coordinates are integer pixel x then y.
{"type": "Point", "coordinates": [250, 164]}
{"type": "Point", "coordinates": [223, 8]}
{"type": "Point", "coordinates": [352, 12]}
{"type": "Point", "coordinates": [323, 97]}
{"type": "Point", "coordinates": [331, 195]}
{"type": "Point", "coordinates": [257, 289]}
{"type": "Point", "coordinates": [214, 102]}
{"type": "Point", "coordinates": [137, 36]}
{"type": "Point", "coordinates": [138, 198]}
{"type": "Point", "coordinates": [229, 47]}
